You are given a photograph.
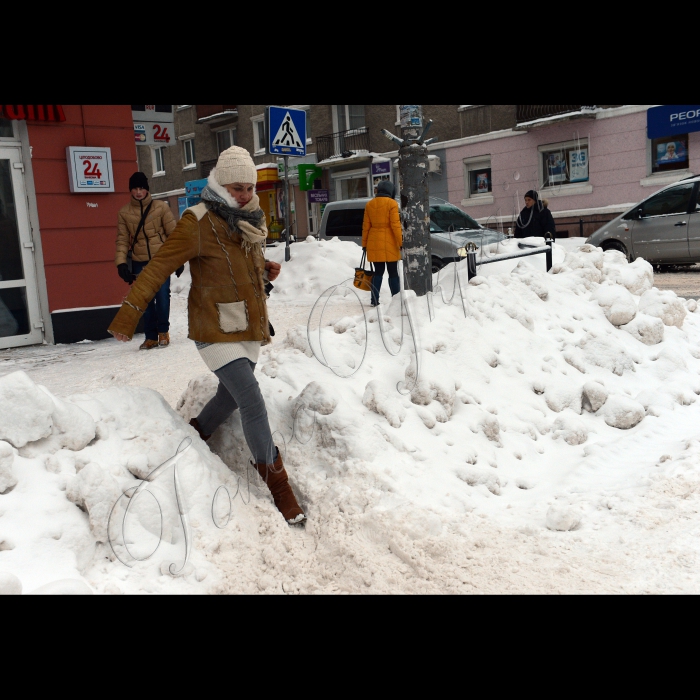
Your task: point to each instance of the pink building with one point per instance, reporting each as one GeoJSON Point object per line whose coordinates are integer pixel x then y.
{"type": "Point", "coordinates": [591, 166]}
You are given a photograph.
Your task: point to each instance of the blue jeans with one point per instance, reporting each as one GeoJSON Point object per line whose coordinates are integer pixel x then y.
{"type": "Point", "coordinates": [157, 317]}
{"type": "Point", "coordinates": [239, 389]}
{"type": "Point", "coordinates": [394, 280]}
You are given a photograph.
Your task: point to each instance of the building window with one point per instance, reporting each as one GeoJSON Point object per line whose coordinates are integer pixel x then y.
{"type": "Point", "coordinates": [669, 153]}
{"type": "Point", "coordinates": [564, 163]}
{"type": "Point", "coordinates": [259, 135]}
{"type": "Point", "coordinates": [349, 117]}
{"type": "Point", "coordinates": [6, 130]}
{"type": "Point", "coordinates": [225, 139]}
{"type": "Point", "coordinates": [352, 185]}
{"type": "Point", "coordinates": [477, 177]}
{"type": "Point", "coordinates": [159, 161]}
{"type": "Point", "coordinates": [188, 145]}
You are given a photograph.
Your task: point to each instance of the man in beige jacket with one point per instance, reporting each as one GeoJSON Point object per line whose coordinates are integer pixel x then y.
{"type": "Point", "coordinates": [144, 225]}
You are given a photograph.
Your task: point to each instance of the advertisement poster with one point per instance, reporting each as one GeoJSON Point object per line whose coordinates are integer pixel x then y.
{"type": "Point", "coordinates": [411, 116]}
{"type": "Point", "coordinates": [556, 168]}
{"type": "Point", "coordinates": [483, 183]}
{"type": "Point", "coordinates": [671, 152]}
{"type": "Point", "coordinates": [578, 165]}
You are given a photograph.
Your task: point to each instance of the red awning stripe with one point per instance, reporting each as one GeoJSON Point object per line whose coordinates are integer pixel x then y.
{"type": "Point", "coordinates": [41, 113]}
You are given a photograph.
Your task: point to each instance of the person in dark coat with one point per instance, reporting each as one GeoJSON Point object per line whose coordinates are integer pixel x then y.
{"type": "Point", "coordinates": [536, 219]}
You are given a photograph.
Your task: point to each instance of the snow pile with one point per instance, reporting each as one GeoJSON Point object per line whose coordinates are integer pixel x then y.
{"type": "Point", "coordinates": [317, 265]}
{"type": "Point", "coordinates": [65, 466]}
{"type": "Point", "coordinates": [540, 435]}
{"type": "Point", "coordinates": [497, 415]}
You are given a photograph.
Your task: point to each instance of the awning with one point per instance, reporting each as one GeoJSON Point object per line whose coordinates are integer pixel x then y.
{"type": "Point", "coordinates": [41, 113]}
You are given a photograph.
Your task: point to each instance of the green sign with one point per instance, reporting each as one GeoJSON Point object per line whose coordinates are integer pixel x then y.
{"type": "Point", "coordinates": [308, 174]}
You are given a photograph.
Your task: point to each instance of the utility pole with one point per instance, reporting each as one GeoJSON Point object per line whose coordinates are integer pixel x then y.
{"type": "Point", "coordinates": [415, 205]}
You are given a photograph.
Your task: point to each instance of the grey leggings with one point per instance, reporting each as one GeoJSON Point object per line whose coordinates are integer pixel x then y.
{"type": "Point", "coordinates": [238, 388]}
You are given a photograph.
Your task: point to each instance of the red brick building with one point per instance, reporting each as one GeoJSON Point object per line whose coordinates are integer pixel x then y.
{"type": "Point", "coordinates": [58, 282]}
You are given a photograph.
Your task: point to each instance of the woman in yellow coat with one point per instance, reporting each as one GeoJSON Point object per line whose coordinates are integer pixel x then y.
{"type": "Point", "coordinates": [382, 238]}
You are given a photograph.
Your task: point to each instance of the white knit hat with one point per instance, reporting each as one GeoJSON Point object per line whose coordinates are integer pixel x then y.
{"type": "Point", "coordinates": [236, 165]}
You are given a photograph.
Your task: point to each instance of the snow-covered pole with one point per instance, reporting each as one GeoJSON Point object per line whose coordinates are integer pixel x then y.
{"type": "Point", "coordinates": [413, 178]}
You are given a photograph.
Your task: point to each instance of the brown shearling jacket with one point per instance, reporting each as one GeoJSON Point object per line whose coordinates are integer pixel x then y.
{"type": "Point", "coordinates": [159, 224]}
{"type": "Point", "coordinates": [227, 301]}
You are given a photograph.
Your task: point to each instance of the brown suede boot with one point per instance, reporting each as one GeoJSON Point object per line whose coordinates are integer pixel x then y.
{"type": "Point", "coordinates": [163, 340]}
{"type": "Point", "coordinates": [195, 424]}
{"type": "Point", "coordinates": [275, 476]}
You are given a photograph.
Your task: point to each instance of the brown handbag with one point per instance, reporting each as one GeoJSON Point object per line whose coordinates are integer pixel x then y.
{"type": "Point", "coordinates": [363, 278]}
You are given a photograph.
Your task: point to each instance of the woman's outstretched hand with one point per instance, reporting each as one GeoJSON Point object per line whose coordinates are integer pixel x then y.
{"type": "Point", "coordinates": [121, 338]}
{"type": "Point", "coordinates": [273, 270]}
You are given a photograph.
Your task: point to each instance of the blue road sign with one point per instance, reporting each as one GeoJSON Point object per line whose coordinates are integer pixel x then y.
{"type": "Point", "coordinates": [287, 131]}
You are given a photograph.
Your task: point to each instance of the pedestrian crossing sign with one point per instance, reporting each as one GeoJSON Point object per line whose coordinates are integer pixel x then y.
{"type": "Point", "coordinates": [286, 129]}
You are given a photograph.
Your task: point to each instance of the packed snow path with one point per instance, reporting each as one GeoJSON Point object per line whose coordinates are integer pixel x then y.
{"type": "Point", "coordinates": [549, 444]}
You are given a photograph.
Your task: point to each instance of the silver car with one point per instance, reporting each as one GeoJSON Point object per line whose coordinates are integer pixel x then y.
{"type": "Point", "coordinates": [451, 229]}
{"type": "Point", "coordinates": [663, 229]}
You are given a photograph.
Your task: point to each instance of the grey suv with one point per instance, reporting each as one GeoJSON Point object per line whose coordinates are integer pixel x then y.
{"type": "Point", "coordinates": [663, 229]}
{"type": "Point", "coordinates": [344, 220]}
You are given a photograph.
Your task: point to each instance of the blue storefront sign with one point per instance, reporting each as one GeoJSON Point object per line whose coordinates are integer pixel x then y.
{"type": "Point", "coordinates": [193, 195]}
{"type": "Point", "coordinates": [672, 120]}
{"type": "Point", "coordinates": [194, 188]}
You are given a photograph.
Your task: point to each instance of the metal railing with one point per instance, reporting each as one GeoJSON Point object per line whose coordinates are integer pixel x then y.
{"type": "Point", "coordinates": [528, 113]}
{"type": "Point", "coordinates": [342, 143]}
{"type": "Point", "coordinates": [525, 251]}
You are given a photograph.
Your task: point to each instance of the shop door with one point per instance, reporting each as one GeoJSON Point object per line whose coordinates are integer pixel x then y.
{"type": "Point", "coordinates": [661, 233]}
{"type": "Point", "coordinates": [20, 317]}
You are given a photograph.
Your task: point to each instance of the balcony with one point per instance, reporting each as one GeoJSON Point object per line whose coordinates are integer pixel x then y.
{"type": "Point", "coordinates": [342, 144]}
{"type": "Point", "coordinates": [207, 114]}
{"type": "Point", "coordinates": [530, 113]}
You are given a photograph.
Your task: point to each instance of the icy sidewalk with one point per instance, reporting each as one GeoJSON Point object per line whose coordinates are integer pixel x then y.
{"type": "Point", "coordinates": [546, 442]}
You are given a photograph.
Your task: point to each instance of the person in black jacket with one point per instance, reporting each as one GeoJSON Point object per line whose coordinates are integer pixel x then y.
{"type": "Point", "coordinates": [536, 219]}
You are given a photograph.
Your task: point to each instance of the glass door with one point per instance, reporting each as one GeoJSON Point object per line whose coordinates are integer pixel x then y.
{"type": "Point", "coordinates": [20, 317]}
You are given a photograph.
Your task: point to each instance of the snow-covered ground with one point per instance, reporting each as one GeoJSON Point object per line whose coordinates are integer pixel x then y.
{"type": "Point", "coordinates": [544, 438]}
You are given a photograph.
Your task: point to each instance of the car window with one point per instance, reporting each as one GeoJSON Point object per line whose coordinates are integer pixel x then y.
{"type": "Point", "coordinates": [345, 222]}
{"type": "Point", "coordinates": [673, 201]}
{"type": "Point", "coordinates": [444, 217]}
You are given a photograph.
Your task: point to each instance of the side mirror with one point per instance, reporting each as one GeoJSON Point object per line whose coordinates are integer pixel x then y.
{"type": "Point", "coordinates": [639, 213]}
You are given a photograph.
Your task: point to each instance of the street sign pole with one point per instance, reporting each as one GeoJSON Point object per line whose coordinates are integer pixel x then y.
{"type": "Point", "coordinates": [287, 251]}
{"type": "Point", "coordinates": [286, 136]}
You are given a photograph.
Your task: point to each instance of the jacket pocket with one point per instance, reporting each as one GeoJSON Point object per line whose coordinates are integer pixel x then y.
{"type": "Point", "coordinates": [233, 318]}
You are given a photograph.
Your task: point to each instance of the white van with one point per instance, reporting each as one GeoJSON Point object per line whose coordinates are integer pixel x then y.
{"type": "Point", "coordinates": [450, 228]}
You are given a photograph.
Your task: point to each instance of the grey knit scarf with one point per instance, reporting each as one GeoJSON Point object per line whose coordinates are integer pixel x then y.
{"type": "Point", "coordinates": [230, 215]}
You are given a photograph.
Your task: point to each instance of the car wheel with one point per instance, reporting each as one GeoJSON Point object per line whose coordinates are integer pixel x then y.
{"type": "Point", "coordinates": [616, 245]}
{"type": "Point", "coordinates": [437, 265]}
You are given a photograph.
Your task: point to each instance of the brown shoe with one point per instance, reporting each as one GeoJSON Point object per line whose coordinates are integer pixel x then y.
{"type": "Point", "coordinates": [275, 476]}
{"type": "Point", "coordinates": [195, 424]}
{"type": "Point", "coordinates": [163, 340]}
{"type": "Point", "coordinates": [149, 345]}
